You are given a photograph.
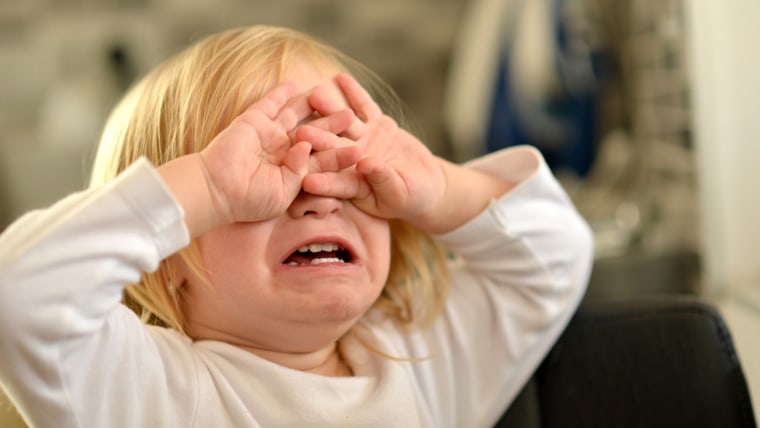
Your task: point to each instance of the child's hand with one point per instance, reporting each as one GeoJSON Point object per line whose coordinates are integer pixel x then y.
{"type": "Point", "coordinates": [398, 176]}
{"type": "Point", "coordinates": [252, 169]}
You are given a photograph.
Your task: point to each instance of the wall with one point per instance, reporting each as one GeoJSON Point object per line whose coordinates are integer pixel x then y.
{"type": "Point", "coordinates": [63, 63]}
{"type": "Point", "coordinates": [726, 87]}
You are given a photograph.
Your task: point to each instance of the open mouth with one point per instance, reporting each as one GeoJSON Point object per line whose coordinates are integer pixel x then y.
{"type": "Point", "coordinates": [319, 253]}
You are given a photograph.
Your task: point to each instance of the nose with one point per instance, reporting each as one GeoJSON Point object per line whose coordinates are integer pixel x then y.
{"type": "Point", "coordinates": [306, 204]}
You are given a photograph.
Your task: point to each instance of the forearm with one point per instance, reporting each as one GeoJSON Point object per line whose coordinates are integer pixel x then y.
{"type": "Point", "coordinates": [72, 260]}
{"type": "Point", "coordinates": [62, 274]}
{"type": "Point", "coordinates": [63, 269]}
{"type": "Point", "coordinates": [533, 230]}
{"type": "Point", "coordinates": [522, 267]}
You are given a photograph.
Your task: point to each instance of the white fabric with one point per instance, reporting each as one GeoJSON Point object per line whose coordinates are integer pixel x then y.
{"type": "Point", "coordinates": [72, 356]}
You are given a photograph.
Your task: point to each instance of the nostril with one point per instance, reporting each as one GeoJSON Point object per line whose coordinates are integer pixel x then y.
{"type": "Point", "coordinates": [315, 206]}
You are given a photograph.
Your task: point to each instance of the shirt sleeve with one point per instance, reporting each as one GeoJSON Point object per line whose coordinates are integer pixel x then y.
{"type": "Point", "coordinates": [67, 345]}
{"type": "Point", "coordinates": [522, 268]}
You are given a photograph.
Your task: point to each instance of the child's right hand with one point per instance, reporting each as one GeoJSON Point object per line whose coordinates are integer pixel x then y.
{"type": "Point", "coordinates": [253, 170]}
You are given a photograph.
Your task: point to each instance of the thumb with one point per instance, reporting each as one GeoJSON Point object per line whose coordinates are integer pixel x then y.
{"type": "Point", "coordinates": [388, 187]}
{"type": "Point", "coordinates": [378, 175]}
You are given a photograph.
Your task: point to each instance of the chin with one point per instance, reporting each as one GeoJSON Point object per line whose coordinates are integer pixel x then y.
{"type": "Point", "coordinates": [338, 301]}
{"type": "Point", "coordinates": [341, 309]}
{"type": "Point", "coordinates": [342, 304]}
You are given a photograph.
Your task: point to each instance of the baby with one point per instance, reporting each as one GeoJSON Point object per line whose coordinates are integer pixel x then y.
{"type": "Point", "coordinates": [264, 244]}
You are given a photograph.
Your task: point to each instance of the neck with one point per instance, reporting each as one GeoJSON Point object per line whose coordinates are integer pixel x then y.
{"type": "Point", "coordinates": [327, 361]}
{"type": "Point", "coordinates": [309, 351]}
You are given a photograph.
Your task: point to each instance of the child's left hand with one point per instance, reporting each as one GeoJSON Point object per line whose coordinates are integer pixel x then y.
{"type": "Point", "coordinates": [397, 177]}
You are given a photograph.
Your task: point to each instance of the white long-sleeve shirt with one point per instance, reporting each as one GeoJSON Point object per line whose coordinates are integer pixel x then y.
{"type": "Point", "coordinates": [72, 356]}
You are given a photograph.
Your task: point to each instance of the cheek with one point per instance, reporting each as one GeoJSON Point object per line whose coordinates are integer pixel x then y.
{"type": "Point", "coordinates": [381, 252]}
{"type": "Point", "coordinates": [236, 240]}
{"type": "Point", "coordinates": [225, 251]}
{"type": "Point", "coordinates": [216, 259]}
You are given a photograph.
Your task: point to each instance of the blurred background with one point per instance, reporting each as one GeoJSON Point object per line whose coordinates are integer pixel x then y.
{"type": "Point", "coordinates": [645, 110]}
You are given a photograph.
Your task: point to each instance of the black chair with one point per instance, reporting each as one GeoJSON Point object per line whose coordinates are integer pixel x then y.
{"type": "Point", "coordinates": [652, 362]}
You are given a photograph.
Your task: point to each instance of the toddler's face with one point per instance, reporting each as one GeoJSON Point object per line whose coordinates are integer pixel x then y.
{"type": "Point", "coordinates": [293, 280]}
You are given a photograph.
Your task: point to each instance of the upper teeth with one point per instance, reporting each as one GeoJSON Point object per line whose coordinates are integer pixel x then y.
{"type": "Point", "coordinates": [316, 248]}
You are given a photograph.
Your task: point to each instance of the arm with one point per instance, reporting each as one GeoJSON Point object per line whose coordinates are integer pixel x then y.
{"type": "Point", "coordinates": [523, 267]}
{"type": "Point", "coordinates": [65, 341]}
{"type": "Point", "coordinates": [70, 354]}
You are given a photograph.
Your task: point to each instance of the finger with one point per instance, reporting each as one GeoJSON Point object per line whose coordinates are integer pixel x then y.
{"type": "Point", "coordinates": [273, 101]}
{"type": "Point", "coordinates": [345, 184]}
{"type": "Point", "coordinates": [297, 110]}
{"type": "Point", "coordinates": [324, 103]}
{"type": "Point", "coordinates": [386, 184]}
{"type": "Point", "coordinates": [334, 124]}
{"type": "Point", "coordinates": [308, 107]}
{"type": "Point", "coordinates": [358, 98]}
{"type": "Point", "coordinates": [334, 160]}
{"type": "Point", "coordinates": [319, 139]}
{"type": "Point", "coordinates": [356, 130]}
{"type": "Point", "coordinates": [348, 126]}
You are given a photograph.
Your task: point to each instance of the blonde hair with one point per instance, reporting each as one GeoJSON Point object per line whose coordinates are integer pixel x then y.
{"type": "Point", "coordinates": [180, 106]}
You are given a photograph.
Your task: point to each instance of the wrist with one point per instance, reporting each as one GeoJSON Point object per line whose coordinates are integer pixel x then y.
{"type": "Point", "coordinates": [466, 194]}
{"type": "Point", "coordinates": [436, 217]}
{"type": "Point", "coordinates": [187, 179]}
